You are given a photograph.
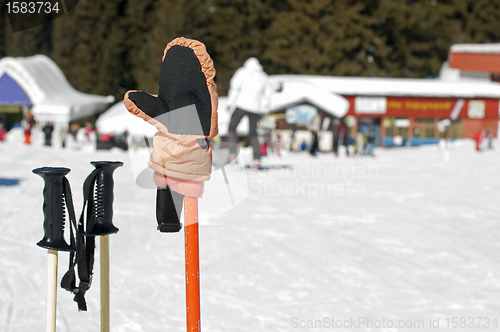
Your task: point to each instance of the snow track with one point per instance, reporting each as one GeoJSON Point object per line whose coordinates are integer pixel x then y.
{"type": "Point", "coordinates": [417, 240]}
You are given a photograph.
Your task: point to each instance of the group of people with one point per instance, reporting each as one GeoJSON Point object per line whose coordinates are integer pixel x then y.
{"type": "Point", "coordinates": [363, 144]}
{"type": "Point", "coordinates": [78, 133]}
{"type": "Point", "coordinates": [27, 124]}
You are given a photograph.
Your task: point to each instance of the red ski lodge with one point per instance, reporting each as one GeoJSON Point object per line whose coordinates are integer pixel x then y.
{"type": "Point", "coordinates": [463, 101]}
{"type": "Point", "coordinates": [424, 119]}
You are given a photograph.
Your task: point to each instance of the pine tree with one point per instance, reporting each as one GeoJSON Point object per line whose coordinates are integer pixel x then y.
{"type": "Point", "coordinates": [91, 47]}
{"type": "Point", "coordinates": [114, 75]}
{"type": "Point", "coordinates": [324, 37]}
{"type": "Point", "coordinates": [78, 46]}
{"type": "Point", "coordinates": [3, 30]}
{"type": "Point", "coordinates": [417, 32]}
{"type": "Point", "coordinates": [481, 20]}
{"type": "Point", "coordinates": [37, 40]}
{"type": "Point", "coordinates": [235, 30]}
{"type": "Point", "coordinates": [152, 26]}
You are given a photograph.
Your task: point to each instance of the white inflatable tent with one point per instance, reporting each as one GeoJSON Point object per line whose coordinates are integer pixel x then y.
{"type": "Point", "coordinates": [46, 90]}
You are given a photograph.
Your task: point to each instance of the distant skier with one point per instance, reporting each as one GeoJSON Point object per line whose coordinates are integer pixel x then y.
{"type": "Point", "coordinates": [74, 129]}
{"type": "Point", "coordinates": [64, 134]}
{"type": "Point", "coordinates": [27, 123]}
{"type": "Point", "coordinates": [263, 148]}
{"type": "Point", "coordinates": [277, 145]}
{"type": "Point", "coordinates": [445, 145]}
{"type": "Point", "coordinates": [489, 137]}
{"type": "Point", "coordinates": [341, 138]}
{"type": "Point", "coordinates": [2, 133]}
{"type": "Point", "coordinates": [370, 143]}
{"type": "Point", "coordinates": [246, 92]}
{"type": "Point", "coordinates": [47, 130]}
{"type": "Point", "coordinates": [88, 130]}
{"type": "Point", "coordinates": [360, 142]}
{"type": "Point", "coordinates": [314, 127]}
{"type": "Point", "coordinates": [479, 137]}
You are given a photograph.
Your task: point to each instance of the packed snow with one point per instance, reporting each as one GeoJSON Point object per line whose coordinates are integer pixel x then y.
{"type": "Point", "coordinates": [408, 237]}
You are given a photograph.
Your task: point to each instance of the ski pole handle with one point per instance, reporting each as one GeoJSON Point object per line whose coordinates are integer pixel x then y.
{"type": "Point", "coordinates": [53, 208]}
{"type": "Point", "coordinates": [104, 198]}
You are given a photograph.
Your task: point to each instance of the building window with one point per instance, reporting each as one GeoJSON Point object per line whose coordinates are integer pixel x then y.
{"type": "Point", "coordinates": [424, 128]}
{"type": "Point", "coordinates": [395, 127]}
{"type": "Point", "coordinates": [454, 130]}
{"type": "Point", "coordinates": [429, 132]}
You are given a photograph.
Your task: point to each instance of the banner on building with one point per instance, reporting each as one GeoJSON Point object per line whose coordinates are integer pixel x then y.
{"type": "Point", "coordinates": [301, 114]}
{"type": "Point", "coordinates": [370, 105]}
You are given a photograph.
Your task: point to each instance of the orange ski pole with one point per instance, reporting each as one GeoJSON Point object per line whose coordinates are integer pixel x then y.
{"type": "Point", "coordinates": [192, 264]}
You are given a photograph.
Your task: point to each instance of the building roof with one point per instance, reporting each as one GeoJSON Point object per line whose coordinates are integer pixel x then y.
{"type": "Point", "coordinates": [48, 90]}
{"type": "Point", "coordinates": [476, 57]}
{"type": "Point", "coordinates": [294, 92]}
{"type": "Point", "coordinates": [291, 94]}
{"type": "Point", "coordinates": [493, 48]}
{"type": "Point", "coordinates": [371, 86]}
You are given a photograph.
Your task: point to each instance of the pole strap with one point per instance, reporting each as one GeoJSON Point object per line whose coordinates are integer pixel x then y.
{"type": "Point", "coordinates": [83, 258]}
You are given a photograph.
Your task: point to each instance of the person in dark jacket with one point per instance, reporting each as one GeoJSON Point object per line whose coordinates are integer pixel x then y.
{"type": "Point", "coordinates": [341, 137]}
{"type": "Point", "coordinates": [47, 130]}
{"type": "Point", "coordinates": [370, 143]}
{"type": "Point", "coordinates": [314, 127]}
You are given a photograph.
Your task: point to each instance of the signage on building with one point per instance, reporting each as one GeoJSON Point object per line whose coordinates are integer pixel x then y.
{"type": "Point", "coordinates": [404, 107]}
{"type": "Point", "coordinates": [370, 105]}
{"type": "Point", "coordinates": [301, 114]}
{"type": "Point", "coordinates": [421, 105]}
{"type": "Point", "coordinates": [267, 122]}
{"type": "Point", "coordinates": [428, 108]}
{"type": "Point", "coordinates": [476, 109]}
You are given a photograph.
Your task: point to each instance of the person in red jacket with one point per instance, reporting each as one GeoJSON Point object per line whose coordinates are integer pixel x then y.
{"type": "Point", "coordinates": [479, 138]}
{"type": "Point", "coordinates": [2, 133]}
{"type": "Point", "coordinates": [27, 123]}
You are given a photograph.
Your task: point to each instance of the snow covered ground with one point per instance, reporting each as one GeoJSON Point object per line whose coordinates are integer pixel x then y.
{"type": "Point", "coordinates": [405, 238]}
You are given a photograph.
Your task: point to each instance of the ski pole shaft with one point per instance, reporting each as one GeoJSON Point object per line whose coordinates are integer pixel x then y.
{"type": "Point", "coordinates": [104, 283]}
{"type": "Point", "coordinates": [227, 185]}
{"type": "Point", "coordinates": [50, 325]}
{"type": "Point", "coordinates": [192, 264]}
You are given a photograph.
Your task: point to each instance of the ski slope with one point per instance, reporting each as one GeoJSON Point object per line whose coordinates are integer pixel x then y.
{"type": "Point", "coordinates": [405, 237]}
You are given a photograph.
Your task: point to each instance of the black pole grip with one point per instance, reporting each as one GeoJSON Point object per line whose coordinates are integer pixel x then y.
{"type": "Point", "coordinates": [53, 208]}
{"type": "Point", "coordinates": [104, 198]}
{"type": "Point", "coordinates": [168, 210]}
